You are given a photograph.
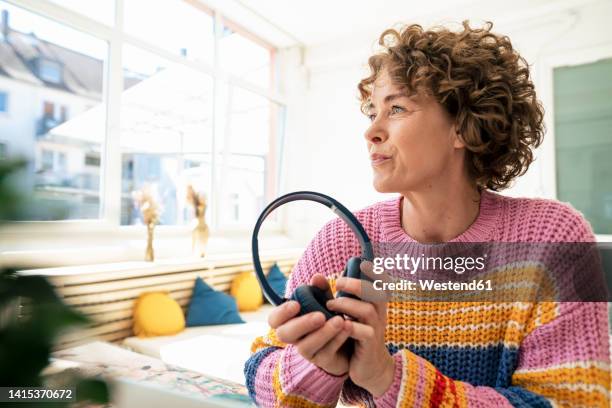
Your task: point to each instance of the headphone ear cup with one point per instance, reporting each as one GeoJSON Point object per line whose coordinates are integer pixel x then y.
{"type": "Point", "coordinates": [312, 299]}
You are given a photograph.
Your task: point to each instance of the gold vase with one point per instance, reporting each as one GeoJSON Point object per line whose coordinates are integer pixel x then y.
{"type": "Point", "coordinates": [199, 238]}
{"type": "Point", "coordinates": [149, 254]}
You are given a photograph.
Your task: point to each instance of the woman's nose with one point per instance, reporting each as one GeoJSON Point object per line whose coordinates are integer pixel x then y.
{"type": "Point", "coordinates": [376, 133]}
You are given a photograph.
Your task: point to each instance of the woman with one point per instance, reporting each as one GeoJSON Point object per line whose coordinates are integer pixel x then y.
{"type": "Point", "coordinates": [454, 117]}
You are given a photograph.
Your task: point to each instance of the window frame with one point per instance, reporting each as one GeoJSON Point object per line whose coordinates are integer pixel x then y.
{"type": "Point", "coordinates": [547, 156]}
{"type": "Point", "coordinates": [110, 178]}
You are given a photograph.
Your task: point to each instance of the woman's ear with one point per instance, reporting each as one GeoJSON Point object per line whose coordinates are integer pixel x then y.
{"type": "Point", "coordinates": [456, 138]}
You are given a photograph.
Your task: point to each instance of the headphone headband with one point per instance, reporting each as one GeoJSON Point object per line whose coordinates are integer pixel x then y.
{"type": "Point", "coordinates": [367, 252]}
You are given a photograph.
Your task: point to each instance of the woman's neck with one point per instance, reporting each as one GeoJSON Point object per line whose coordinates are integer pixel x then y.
{"type": "Point", "coordinates": [436, 216]}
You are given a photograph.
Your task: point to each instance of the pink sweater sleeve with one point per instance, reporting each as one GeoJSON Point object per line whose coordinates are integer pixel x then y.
{"type": "Point", "coordinates": [285, 378]}
{"type": "Point", "coordinates": [276, 373]}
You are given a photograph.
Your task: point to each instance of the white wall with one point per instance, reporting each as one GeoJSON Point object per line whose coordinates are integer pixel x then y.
{"type": "Point", "coordinates": [325, 148]}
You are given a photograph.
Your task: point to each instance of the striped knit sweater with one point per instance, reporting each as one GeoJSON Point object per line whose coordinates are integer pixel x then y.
{"type": "Point", "coordinates": [520, 354]}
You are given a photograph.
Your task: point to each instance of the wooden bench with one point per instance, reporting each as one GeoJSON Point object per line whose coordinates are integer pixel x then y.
{"type": "Point", "coordinates": [106, 292]}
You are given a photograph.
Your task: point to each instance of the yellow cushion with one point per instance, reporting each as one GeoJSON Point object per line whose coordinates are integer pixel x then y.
{"type": "Point", "coordinates": [245, 289]}
{"type": "Point", "coordinates": [157, 314]}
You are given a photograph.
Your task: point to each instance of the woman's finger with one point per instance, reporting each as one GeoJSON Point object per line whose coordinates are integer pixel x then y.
{"type": "Point", "coordinates": [332, 347]}
{"type": "Point", "coordinates": [298, 327]}
{"type": "Point", "coordinates": [283, 313]}
{"type": "Point", "coordinates": [322, 283]}
{"type": "Point", "coordinates": [315, 341]}
{"type": "Point", "coordinates": [362, 332]}
{"type": "Point", "coordinates": [364, 312]}
{"type": "Point", "coordinates": [329, 351]}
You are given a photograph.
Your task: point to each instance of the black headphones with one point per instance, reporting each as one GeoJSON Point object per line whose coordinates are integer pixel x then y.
{"type": "Point", "coordinates": [311, 298]}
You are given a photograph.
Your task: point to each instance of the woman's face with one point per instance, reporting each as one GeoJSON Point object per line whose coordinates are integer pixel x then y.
{"type": "Point", "coordinates": [412, 141]}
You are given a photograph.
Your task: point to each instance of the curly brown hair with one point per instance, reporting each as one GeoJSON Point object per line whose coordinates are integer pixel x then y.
{"type": "Point", "coordinates": [481, 81]}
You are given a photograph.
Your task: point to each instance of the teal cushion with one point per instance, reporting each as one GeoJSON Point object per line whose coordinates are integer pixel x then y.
{"type": "Point", "coordinates": [277, 280]}
{"type": "Point", "coordinates": [209, 307]}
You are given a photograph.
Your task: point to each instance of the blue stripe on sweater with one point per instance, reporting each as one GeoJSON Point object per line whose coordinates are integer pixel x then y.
{"type": "Point", "coordinates": [522, 398]}
{"type": "Point", "coordinates": [489, 366]}
{"type": "Point", "coordinates": [250, 368]}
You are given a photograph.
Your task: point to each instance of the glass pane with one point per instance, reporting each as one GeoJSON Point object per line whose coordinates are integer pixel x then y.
{"type": "Point", "coordinates": [245, 56]}
{"type": "Point", "coordinates": [54, 112]}
{"type": "Point", "coordinates": [169, 178]}
{"type": "Point", "coordinates": [165, 107]}
{"type": "Point", "coordinates": [166, 133]}
{"type": "Point", "coordinates": [248, 168]}
{"type": "Point", "coordinates": [583, 140]}
{"type": "Point", "coordinates": [243, 186]}
{"type": "Point", "coordinates": [101, 10]}
{"type": "Point", "coordinates": [174, 25]}
{"type": "Point", "coordinates": [249, 126]}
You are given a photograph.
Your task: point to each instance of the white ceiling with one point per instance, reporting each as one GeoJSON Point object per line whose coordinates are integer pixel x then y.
{"type": "Point", "coordinates": [317, 21]}
{"type": "Point", "coordinates": [312, 22]}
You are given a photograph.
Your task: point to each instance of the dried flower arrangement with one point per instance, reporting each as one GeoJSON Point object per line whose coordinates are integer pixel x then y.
{"type": "Point", "coordinates": [197, 200]}
{"type": "Point", "coordinates": [147, 202]}
{"type": "Point", "coordinates": [200, 233]}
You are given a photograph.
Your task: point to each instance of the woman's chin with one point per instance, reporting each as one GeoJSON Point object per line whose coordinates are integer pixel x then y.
{"type": "Point", "coordinates": [384, 186]}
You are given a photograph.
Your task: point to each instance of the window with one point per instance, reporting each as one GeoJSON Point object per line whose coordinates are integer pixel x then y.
{"type": "Point", "coordinates": [245, 55]}
{"type": "Point", "coordinates": [92, 160]}
{"type": "Point", "coordinates": [180, 122]}
{"type": "Point", "coordinates": [63, 114]}
{"type": "Point", "coordinates": [166, 133]}
{"type": "Point", "coordinates": [100, 10]}
{"type": "Point", "coordinates": [54, 149]}
{"type": "Point", "coordinates": [46, 160]}
{"type": "Point", "coordinates": [48, 110]}
{"type": "Point", "coordinates": [583, 140]}
{"type": "Point", "coordinates": [3, 101]}
{"type": "Point", "coordinates": [249, 156]}
{"type": "Point", "coordinates": [191, 25]}
{"type": "Point", "coordinates": [49, 71]}
{"type": "Point", "coordinates": [62, 162]}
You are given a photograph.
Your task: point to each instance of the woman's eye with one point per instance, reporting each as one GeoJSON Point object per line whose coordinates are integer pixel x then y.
{"type": "Point", "coordinates": [397, 109]}
{"type": "Point", "coordinates": [371, 116]}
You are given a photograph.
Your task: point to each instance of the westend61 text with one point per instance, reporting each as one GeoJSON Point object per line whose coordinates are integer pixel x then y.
{"type": "Point", "coordinates": [432, 285]}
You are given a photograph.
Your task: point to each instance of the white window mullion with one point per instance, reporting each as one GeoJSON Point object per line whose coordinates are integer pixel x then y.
{"type": "Point", "coordinates": [214, 201]}
{"type": "Point", "coordinates": [111, 180]}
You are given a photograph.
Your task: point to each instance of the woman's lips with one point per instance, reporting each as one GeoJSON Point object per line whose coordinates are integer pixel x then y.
{"type": "Point", "coordinates": [378, 159]}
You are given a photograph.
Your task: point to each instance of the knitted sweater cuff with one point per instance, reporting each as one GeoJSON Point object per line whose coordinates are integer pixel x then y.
{"type": "Point", "coordinates": [301, 377]}
{"type": "Point", "coordinates": [389, 398]}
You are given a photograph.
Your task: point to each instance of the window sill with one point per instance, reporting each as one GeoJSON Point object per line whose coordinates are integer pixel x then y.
{"type": "Point", "coordinates": [161, 266]}
{"type": "Point", "coordinates": [29, 253]}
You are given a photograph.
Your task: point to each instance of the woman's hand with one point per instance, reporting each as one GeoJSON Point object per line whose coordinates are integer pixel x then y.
{"type": "Point", "coordinates": [317, 340]}
{"type": "Point", "coordinates": [371, 366]}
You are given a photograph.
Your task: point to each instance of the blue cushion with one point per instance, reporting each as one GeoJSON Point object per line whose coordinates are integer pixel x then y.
{"type": "Point", "coordinates": [209, 307]}
{"type": "Point", "coordinates": [277, 280]}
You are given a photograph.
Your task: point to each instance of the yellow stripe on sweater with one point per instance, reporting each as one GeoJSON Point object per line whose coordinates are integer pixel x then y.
{"type": "Point", "coordinates": [566, 375]}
